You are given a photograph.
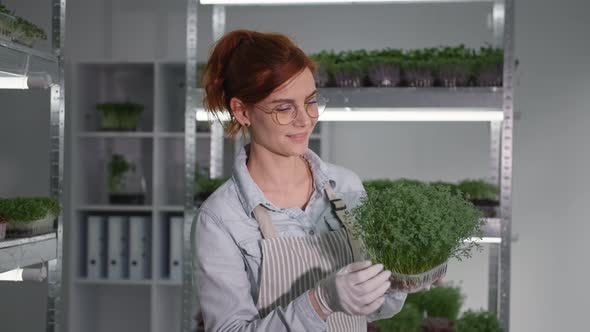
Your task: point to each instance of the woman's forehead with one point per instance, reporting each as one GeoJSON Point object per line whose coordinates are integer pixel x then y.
{"type": "Point", "coordinates": [300, 85]}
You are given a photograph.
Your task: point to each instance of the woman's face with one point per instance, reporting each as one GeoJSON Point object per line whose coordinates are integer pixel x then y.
{"type": "Point", "coordinates": [291, 139]}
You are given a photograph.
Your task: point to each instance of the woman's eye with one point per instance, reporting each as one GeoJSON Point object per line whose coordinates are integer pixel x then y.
{"type": "Point", "coordinates": [284, 108]}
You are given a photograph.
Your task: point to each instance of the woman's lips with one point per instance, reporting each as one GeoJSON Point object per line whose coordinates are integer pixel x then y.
{"type": "Point", "coordinates": [298, 137]}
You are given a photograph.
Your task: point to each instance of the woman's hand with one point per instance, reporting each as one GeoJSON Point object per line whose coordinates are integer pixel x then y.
{"type": "Point", "coordinates": [356, 289]}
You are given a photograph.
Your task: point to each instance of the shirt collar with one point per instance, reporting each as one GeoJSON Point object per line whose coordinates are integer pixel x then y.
{"type": "Point", "coordinates": [250, 194]}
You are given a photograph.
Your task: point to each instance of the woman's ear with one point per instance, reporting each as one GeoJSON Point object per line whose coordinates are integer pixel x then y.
{"type": "Point", "coordinates": [240, 111]}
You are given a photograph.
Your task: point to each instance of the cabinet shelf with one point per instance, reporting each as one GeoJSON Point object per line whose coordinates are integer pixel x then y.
{"type": "Point", "coordinates": [171, 208]}
{"type": "Point", "coordinates": [114, 282]}
{"type": "Point", "coordinates": [116, 208]}
{"type": "Point", "coordinates": [115, 134]}
{"type": "Point", "coordinates": [170, 283]}
{"type": "Point", "coordinates": [321, 2]}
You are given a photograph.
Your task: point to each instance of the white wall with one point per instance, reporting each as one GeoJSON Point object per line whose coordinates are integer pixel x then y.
{"type": "Point", "coordinates": [550, 149]}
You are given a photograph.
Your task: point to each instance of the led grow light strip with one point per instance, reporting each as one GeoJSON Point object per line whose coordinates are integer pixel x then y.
{"type": "Point", "coordinates": [14, 81]}
{"type": "Point", "coordinates": [485, 240]}
{"type": "Point", "coordinates": [303, 2]}
{"type": "Point", "coordinates": [396, 114]}
{"type": "Point", "coordinates": [19, 274]}
{"type": "Point", "coordinates": [412, 114]}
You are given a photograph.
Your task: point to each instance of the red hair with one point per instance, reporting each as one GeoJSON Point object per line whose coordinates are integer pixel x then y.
{"type": "Point", "coordinates": [249, 65]}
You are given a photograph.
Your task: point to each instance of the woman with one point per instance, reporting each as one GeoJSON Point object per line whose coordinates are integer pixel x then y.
{"type": "Point", "coordinates": [271, 249]}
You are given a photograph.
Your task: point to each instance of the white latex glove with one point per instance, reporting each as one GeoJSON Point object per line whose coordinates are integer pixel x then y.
{"type": "Point", "coordinates": [356, 289]}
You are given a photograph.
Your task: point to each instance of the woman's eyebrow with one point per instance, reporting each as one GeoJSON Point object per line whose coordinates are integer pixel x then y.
{"type": "Point", "coordinates": [288, 100]}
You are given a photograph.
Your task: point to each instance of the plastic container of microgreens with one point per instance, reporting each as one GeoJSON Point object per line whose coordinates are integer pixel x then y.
{"type": "Point", "coordinates": [410, 283]}
{"type": "Point", "coordinates": [32, 228]}
{"type": "Point", "coordinates": [6, 26]}
{"type": "Point", "coordinates": [3, 224]}
{"type": "Point", "coordinates": [384, 74]}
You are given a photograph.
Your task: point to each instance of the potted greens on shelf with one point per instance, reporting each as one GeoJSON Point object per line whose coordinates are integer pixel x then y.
{"type": "Point", "coordinates": [454, 66]}
{"type": "Point", "coordinates": [382, 184]}
{"type": "Point", "coordinates": [29, 216]}
{"type": "Point", "coordinates": [27, 33]}
{"type": "Point", "coordinates": [6, 23]}
{"type": "Point", "coordinates": [418, 68]}
{"type": "Point", "coordinates": [452, 187]}
{"type": "Point", "coordinates": [413, 229]}
{"type": "Point", "coordinates": [200, 71]}
{"type": "Point", "coordinates": [19, 30]}
{"type": "Point", "coordinates": [442, 306]}
{"type": "Point", "coordinates": [119, 116]}
{"type": "Point", "coordinates": [384, 67]}
{"type": "Point", "coordinates": [3, 225]}
{"type": "Point", "coordinates": [489, 67]}
{"type": "Point", "coordinates": [478, 321]}
{"type": "Point", "coordinates": [349, 68]}
{"type": "Point", "coordinates": [408, 319]}
{"type": "Point", "coordinates": [482, 194]}
{"type": "Point", "coordinates": [324, 62]}
{"type": "Point", "coordinates": [348, 74]}
{"type": "Point", "coordinates": [204, 185]}
{"type": "Point", "coordinates": [126, 184]}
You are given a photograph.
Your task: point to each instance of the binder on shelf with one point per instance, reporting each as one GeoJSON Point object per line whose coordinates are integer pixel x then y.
{"type": "Point", "coordinates": [118, 247]}
{"type": "Point", "coordinates": [96, 247]}
{"type": "Point", "coordinates": [176, 226]}
{"type": "Point", "coordinates": [139, 248]}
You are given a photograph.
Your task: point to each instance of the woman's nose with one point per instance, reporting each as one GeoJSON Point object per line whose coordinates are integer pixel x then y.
{"type": "Point", "coordinates": [302, 119]}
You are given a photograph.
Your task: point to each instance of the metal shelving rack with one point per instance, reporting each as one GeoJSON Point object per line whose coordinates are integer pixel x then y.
{"type": "Point", "coordinates": [19, 61]}
{"type": "Point", "coordinates": [396, 100]}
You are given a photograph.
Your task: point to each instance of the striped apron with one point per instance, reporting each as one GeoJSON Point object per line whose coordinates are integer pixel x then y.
{"type": "Point", "coordinates": [293, 265]}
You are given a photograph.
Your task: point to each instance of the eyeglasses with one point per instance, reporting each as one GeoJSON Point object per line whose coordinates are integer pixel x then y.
{"type": "Point", "coordinates": [287, 112]}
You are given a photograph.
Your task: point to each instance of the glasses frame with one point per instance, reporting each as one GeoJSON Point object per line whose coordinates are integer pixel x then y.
{"type": "Point", "coordinates": [321, 100]}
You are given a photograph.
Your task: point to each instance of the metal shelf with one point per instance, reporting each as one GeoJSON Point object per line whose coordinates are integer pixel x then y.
{"type": "Point", "coordinates": [492, 227]}
{"type": "Point", "coordinates": [468, 97]}
{"type": "Point", "coordinates": [21, 252]}
{"type": "Point", "coordinates": [469, 104]}
{"type": "Point", "coordinates": [20, 60]}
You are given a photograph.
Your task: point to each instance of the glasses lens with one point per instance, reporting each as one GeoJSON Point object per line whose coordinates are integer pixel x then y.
{"type": "Point", "coordinates": [317, 107]}
{"type": "Point", "coordinates": [285, 114]}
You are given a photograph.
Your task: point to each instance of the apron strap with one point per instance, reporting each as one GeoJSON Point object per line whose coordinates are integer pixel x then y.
{"type": "Point", "coordinates": [266, 227]}
{"type": "Point", "coordinates": [339, 207]}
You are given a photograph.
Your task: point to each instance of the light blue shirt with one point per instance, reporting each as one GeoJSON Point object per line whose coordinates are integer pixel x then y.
{"type": "Point", "coordinates": [227, 254]}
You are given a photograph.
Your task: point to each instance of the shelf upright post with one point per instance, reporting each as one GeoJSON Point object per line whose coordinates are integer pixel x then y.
{"type": "Point", "coordinates": [57, 118]}
{"type": "Point", "coordinates": [506, 165]}
{"type": "Point", "coordinates": [188, 323]}
{"type": "Point", "coordinates": [494, 255]}
{"type": "Point", "coordinates": [495, 139]}
{"type": "Point", "coordinates": [216, 159]}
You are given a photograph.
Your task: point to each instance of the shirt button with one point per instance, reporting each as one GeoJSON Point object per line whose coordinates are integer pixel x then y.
{"type": "Point", "coordinates": [311, 232]}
